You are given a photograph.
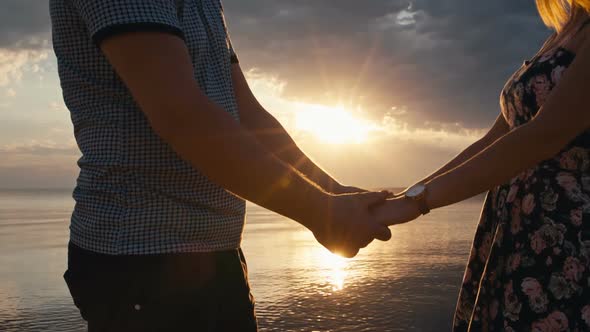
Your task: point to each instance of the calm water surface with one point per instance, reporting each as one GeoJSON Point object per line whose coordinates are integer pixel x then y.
{"type": "Point", "coordinates": [407, 284]}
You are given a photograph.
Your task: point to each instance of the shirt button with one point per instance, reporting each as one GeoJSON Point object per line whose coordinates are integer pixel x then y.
{"type": "Point", "coordinates": [137, 307]}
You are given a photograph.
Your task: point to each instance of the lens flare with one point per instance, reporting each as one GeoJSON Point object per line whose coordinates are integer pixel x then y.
{"type": "Point", "coordinates": [334, 125]}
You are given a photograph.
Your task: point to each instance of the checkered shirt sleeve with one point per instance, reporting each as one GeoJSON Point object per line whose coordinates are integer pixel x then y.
{"type": "Point", "coordinates": [106, 18]}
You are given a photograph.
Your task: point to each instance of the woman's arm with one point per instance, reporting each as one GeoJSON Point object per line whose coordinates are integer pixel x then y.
{"type": "Point", "coordinates": [499, 128]}
{"type": "Point", "coordinates": [565, 115]}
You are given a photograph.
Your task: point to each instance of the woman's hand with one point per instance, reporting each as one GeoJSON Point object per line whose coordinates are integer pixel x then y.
{"type": "Point", "coordinates": [397, 211]}
{"type": "Point", "coordinates": [340, 189]}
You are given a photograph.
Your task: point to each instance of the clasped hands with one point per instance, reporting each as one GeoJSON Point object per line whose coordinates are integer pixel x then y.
{"type": "Point", "coordinates": [353, 218]}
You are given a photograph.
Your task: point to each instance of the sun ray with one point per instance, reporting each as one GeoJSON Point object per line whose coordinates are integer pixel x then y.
{"type": "Point", "coordinates": [334, 125]}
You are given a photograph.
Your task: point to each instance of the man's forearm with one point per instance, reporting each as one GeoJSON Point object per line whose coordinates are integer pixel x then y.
{"type": "Point", "coordinates": [275, 138]}
{"type": "Point", "coordinates": [212, 141]}
{"type": "Point", "coordinates": [203, 133]}
{"type": "Point", "coordinates": [270, 133]}
{"type": "Point", "coordinates": [239, 163]}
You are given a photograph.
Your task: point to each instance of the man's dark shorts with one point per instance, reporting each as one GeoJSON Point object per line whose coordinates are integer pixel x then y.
{"type": "Point", "coordinates": [206, 292]}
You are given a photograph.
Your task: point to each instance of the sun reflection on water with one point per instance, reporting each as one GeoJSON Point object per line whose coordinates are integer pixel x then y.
{"type": "Point", "coordinates": [334, 269]}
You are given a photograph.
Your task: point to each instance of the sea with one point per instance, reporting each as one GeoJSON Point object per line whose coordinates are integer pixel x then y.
{"type": "Point", "coordinates": [409, 283]}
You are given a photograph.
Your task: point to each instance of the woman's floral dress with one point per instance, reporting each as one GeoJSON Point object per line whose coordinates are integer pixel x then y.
{"type": "Point", "coordinates": [529, 268]}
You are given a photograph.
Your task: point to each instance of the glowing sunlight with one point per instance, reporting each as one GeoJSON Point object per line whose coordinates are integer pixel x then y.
{"type": "Point", "coordinates": [335, 269]}
{"type": "Point", "coordinates": [334, 125]}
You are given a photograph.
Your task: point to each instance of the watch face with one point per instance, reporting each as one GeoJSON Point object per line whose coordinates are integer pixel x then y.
{"type": "Point", "coordinates": [415, 191]}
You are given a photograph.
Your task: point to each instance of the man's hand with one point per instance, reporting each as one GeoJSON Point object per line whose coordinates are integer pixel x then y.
{"type": "Point", "coordinates": [347, 224]}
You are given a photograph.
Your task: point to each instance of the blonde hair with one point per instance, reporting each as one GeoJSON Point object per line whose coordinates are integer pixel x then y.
{"type": "Point", "coordinates": [558, 14]}
{"type": "Point", "coordinates": [563, 16]}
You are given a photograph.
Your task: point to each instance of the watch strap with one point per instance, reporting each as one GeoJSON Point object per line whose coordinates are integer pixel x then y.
{"type": "Point", "coordinates": [423, 206]}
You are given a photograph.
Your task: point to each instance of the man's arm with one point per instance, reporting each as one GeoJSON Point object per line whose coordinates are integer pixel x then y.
{"type": "Point", "coordinates": [157, 69]}
{"type": "Point", "coordinates": [275, 138]}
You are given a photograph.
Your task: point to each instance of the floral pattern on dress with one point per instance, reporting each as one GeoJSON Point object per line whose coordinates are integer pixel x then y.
{"type": "Point", "coordinates": [529, 268]}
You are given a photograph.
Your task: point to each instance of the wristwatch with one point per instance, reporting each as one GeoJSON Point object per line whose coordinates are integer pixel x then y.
{"type": "Point", "coordinates": [417, 193]}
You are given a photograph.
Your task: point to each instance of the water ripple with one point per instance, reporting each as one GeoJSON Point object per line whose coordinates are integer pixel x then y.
{"type": "Point", "coordinates": [407, 284]}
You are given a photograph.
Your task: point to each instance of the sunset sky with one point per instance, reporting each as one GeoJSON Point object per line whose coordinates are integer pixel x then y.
{"type": "Point", "coordinates": [378, 92]}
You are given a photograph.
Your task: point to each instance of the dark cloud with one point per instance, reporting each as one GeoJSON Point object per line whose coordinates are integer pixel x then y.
{"type": "Point", "coordinates": [446, 61]}
{"type": "Point", "coordinates": [24, 23]}
{"type": "Point", "coordinates": [448, 65]}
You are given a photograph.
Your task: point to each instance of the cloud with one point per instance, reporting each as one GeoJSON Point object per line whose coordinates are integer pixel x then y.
{"type": "Point", "coordinates": [444, 60]}
{"type": "Point", "coordinates": [38, 154]}
{"type": "Point", "coordinates": [393, 153]}
{"type": "Point", "coordinates": [24, 24]}
{"type": "Point", "coordinates": [424, 75]}
{"type": "Point", "coordinates": [36, 176]}
{"type": "Point", "coordinates": [11, 93]}
{"type": "Point", "coordinates": [271, 92]}
{"type": "Point", "coordinates": [40, 149]}
{"type": "Point", "coordinates": [453, 137]}
{"type": "Point", "coordinates": [13, 62]}
{"type": "Point", "coordinates": [405, 17]}
{"type": "Point", "coordinates": [38, 165]}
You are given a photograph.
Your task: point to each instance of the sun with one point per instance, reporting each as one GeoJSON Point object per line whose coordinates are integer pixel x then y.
{"type": "Point", "coordinates": [334, 125]}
